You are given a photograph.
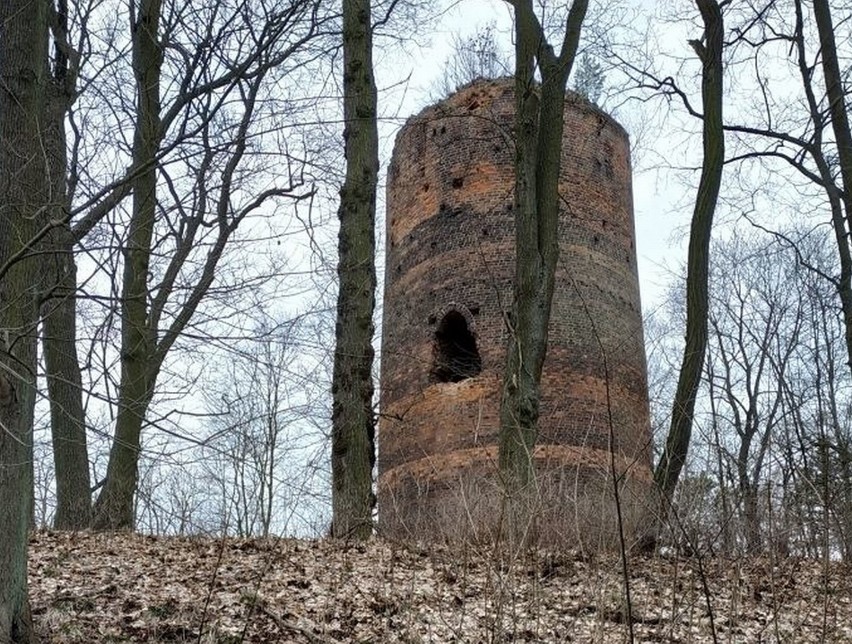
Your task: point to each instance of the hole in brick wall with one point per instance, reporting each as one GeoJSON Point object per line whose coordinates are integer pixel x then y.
{"type": "Point", "coordinates": [432, 319]}
{"type": "Point", "coordinates": [605, 167]}
{"type": "Point", "coordinates": [443, 130]}
{"type": "Point", "coordinates": [474, 310]}
{"type": "Point", "coordinates": [458, 182]}
{"type": "Point", "coordinates": [595, 239]}
{"type": "Point", "coordinates": [445, 211]}
{"type": "Point", "coordinates": [473, 105]}
{"type": "Point", "coordinates": [425, 187]}
{"type": "Point", "coordinates": [485, 232]}
{"type": "Point", "coordinates": [455, 356]}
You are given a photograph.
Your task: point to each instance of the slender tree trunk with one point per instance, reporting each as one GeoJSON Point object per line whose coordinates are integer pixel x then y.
{"type": "Point", "coordinates": [114, 507]}
{"type": "Point", "coordinates": [676, 448]}
{"type": "Point", "coordinates": [65, 390]}
{"type": "Point", "coordinates": [539, 119]}
{"type": "Point", "coordinates": [840, 124]}
{"type": "Point", "coordinates": [841, 238]}
{"type": "Point", "coordinates": [846, 496]}
{"type": "Point", "coordinates": [519, 405]}
{"type": "Point", "coordinates": [353, 428]}
{"type": "Point", "coordinates": [23, 199]}
{"type": "Point", "coordinates": [836, 100]}
{"type": "Point", "coordinates": [59, 314]}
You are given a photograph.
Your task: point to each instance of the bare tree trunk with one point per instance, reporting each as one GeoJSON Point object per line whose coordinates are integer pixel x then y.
{"type": "Point", "coordinates": [353, 429]}
{"type": "Point", "coordinates": [65, 389]}
{"type": "Point", "coordinates": [836, 100]}
{"type": "Point", "coordinates": [539, 116]}
{"type": "Point", "coordinates": [152, 319]}
{"type": "Point", "coordinates": [751, 517]}
{"type": "Point", "coordinates": [23, 198]}
{"type": "Point", "coordinates": [59, 315]}
{"type": "Point", "coordinates": [840, 124]}
{"type": "Point", "coordinates": [676, 449]}
{"type": "Point", "coordinates": [114, 507]}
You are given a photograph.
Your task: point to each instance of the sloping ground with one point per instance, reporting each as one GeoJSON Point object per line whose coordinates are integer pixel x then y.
{"type": "Point", "coordinates": [129, 588]}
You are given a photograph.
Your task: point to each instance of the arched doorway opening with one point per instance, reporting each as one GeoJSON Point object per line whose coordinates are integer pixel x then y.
{"type": "Point", "coordinates": [455, 356]}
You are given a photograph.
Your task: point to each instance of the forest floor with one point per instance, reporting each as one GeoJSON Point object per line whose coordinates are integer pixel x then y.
{"type": "Point", "coordinates": [129, 588]}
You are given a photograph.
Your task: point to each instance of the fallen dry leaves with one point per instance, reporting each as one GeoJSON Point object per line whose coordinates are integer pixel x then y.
{"type": "Point", "coordinates": [130, 588]}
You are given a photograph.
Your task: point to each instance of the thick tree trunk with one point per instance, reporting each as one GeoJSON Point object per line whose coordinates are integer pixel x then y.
{"type": "Point", "coordinates": [754, 539]}
{"type": "Point", "coordinates": [748, 492]}
{"type": "Point", "coordinates": [23, 199]}
{"type": "Point", "coordinates": [353, 429]}
{"type": "Point", "coordinates": [676, 448]}
{"type": "Point", "coordinates": [539, 119]}
{"type": "Point", "coordinates": [114, 507]}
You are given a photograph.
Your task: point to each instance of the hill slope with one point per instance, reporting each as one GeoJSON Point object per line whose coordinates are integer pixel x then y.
{"type": "Point", "coordinates": [130, 588]}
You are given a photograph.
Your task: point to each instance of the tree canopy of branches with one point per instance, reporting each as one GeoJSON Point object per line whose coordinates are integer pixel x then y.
{"type": "Point", "coordinates": [477, 56]}
{"type": "Point", "coordinates": [187, 207]}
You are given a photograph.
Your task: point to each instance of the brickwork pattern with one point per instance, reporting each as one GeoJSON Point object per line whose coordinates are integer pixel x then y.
{"type": "Point", "coordinates": [450, 247]}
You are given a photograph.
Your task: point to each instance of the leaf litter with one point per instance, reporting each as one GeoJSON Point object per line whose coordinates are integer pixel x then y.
{"type": "Point", "coordinates": [122, 587]}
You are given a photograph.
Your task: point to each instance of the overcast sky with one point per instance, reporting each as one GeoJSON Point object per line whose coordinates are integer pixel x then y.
{"type": "Point", "coordinates": [662, 205]}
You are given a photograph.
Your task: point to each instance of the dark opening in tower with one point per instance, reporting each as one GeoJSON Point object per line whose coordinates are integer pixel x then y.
{"type": "Point", "coordinates": [455, 356]}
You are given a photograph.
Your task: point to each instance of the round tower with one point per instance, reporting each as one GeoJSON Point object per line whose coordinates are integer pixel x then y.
{"type": "Point", "coordinates": [448, 287]}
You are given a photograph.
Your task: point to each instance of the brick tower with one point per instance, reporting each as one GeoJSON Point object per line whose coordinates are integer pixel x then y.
{"type": "Point", "coordinates": [448, 284]}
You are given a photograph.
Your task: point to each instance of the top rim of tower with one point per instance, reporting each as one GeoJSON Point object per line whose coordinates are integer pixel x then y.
{"type": "Point", "coordinates": [573, 98]}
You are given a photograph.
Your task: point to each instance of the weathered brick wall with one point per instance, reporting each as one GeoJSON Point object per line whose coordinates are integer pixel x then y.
{"type": "Point", "coordinates": [450, 247]}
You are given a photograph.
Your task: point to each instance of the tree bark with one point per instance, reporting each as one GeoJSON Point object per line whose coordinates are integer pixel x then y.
{"type": "Point", "coordinates": [676, 448]}
{"type": "Point", "coordinates": [353, 428]}
{"type": "Point", "coordinates": [114, 507]}
{"type": "Point", "coordinates": [840, 125]}
{"type": "Point", "coordinates": [23, 200]}
{"type": "Point", "coordinates": [539, 120]}
{"type": "Point", "coordinates": [65, 389]}
{"type": "Point", "coordinates": [59, 314]}
{"type": "Point", "coordinates": [836, 100]}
